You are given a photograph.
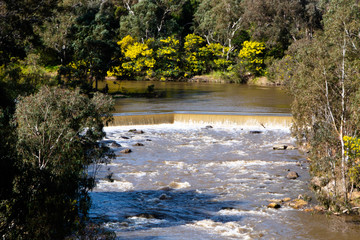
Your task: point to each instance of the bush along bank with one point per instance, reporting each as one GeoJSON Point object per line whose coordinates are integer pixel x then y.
{"type": "Point", "coordinates": [324, 82]}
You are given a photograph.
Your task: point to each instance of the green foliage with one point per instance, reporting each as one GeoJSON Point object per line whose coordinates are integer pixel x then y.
{"type": "Point", "coordinates": [168, 59]}
{"type": "Point", "coordinates": [279, 23]}
{"type": "Point", "coordinates": [58, 132]}
{"type": "Point", "coordinates": [137, 61]}
{"type": "Point", "coordinates": [18, 20]}
{"type": "Point", "coordinates": [194, 55]}
{"type": "Point", "coordinates": [352, 152]}
{"type": "Point", "coordinates": [216, 56]}
{"type": "Point", "coordinates": [324, 82]}
{"type": "Point", "coordinates": [92, 45]}
{"type": "Point", "coordinates": [219, 21]}
{"type": "Point", "coordinates": [251, 57]}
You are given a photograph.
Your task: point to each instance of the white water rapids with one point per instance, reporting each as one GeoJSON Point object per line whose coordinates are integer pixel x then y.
{"type": "Point", "coordinates": [191, 182]}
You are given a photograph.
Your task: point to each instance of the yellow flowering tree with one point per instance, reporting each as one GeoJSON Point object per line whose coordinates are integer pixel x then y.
{"type": "Point", "coordinates": [251, 57]}
{"type": "Point", "coordinates": [352, 153]}
{"type": "Point", "coordinates": [194, 55]}
{"type": "Point", "coordinates": [137, 59]}
{"type": "Point", "coordinates": [168, 59]}
{"type": "Point", "coordinates": [216, 55]}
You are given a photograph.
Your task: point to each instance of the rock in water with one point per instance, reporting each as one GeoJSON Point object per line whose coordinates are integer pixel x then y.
{"type": "Point", "coordinates": [255, 132]}
{"type": "Point", "coordinates": [298, 203]}
{"type": "Point", "coordinates": [292, 175]}
{"type": "Point", "coordinates": [136, 131]}
{"type": "Point", "coordinates": [126, 150]}
{"type": "Point", "coordinates": [279, 147]}
{"type": "Point", "coordinates": [274, 205]}
{"type": "Point", "coordinates": [115, 145]}
{"type": "Point", "coordinates": [138, 144]}
{"type": "Point", "coordinates": [164, 197]}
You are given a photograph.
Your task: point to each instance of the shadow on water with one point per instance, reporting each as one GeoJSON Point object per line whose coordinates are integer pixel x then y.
{"type": "Point", "coordinates": [158, 208]}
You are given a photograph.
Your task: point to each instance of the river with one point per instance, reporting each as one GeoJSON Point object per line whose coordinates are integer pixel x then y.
{"type": "Point", "coordinates": [202, 167]}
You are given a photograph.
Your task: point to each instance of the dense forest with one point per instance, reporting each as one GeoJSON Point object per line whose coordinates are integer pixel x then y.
{"type": "Point", "coordinates": [53, 53]}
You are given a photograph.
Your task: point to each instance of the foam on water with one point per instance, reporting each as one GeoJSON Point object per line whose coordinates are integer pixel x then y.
{"type": "Point", "coordinates": [118, 186]}
{"type": "Point", "coordinates": [228, 229]}
{"type": "Point", "coordinates": [207, 180]}
{"type": "Point", "coordinates": [240, 212]}
{"type": "Point", "coordinates": [179, 185]}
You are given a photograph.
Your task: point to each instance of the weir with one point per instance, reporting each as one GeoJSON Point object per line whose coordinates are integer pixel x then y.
{"type": "Point", "coordinates": [266, 121]}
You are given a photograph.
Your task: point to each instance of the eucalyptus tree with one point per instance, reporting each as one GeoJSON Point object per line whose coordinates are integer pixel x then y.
{"type": "Point", "coordinates": [219, 21]}
{"type": "Point", "coordinates": [93, 43]}
{"type": "Point", "coordinates": [140, 21]}
{"type": "Point", "coordinates": [17, 21]}
{"type": "Point", "coordinates": [56, 155]}
{"type": "Point", "coordinates": [55, 31]}
{"type": "Point", "coordinates": [278, 23]}
{"type": "Point", "coordinates": [325, 86]}
{"type": "Point", "coordinates": [151, 18]}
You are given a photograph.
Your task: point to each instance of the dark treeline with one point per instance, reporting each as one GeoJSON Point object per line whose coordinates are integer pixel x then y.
{"type": "Point", "coordinates": [53, 53]}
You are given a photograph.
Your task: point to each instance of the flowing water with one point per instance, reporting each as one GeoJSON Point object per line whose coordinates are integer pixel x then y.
{"type": "Point", "coordinates": [185, 179]}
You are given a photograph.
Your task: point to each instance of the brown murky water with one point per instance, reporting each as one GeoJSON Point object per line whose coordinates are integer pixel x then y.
{"type": "Point", "coordinates": [190, 181]}
{"type": "Point", "coordinates": [205, 97]}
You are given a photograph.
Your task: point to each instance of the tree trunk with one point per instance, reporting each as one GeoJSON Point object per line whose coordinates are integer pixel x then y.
{"type": "Point", "coordinates": [342, 122]}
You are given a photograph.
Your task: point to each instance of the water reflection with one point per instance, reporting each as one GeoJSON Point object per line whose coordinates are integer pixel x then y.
{"type": "Point", "coordinates": [206, 97]}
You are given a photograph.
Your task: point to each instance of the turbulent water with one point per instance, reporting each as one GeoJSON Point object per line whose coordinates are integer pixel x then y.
{"type": "Point", "coordinates": [192, 181]}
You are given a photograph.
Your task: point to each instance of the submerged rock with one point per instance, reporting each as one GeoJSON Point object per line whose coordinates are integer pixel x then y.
{"type": "Point", "coordinates": [136, 131]}
{"type": "Point", "coordinates": [255, 132]}
{"type": "Point", "coordinates": [164, 197]}
{"type": "Point", "coordinates": [292, 175]}
{"type": "Point", "coordinates": [138, 144]}
{"type": "Point", "coordinates": [284, 147]}
{"type": "Point", "coordinates": [287, 199]}
{"type": "Point", "coordinates": [298, 203]}
{"type": "Point", "coordinates": [208, 127]}
{"type": "Point", "coordinates": [275, 200]}
{"type": "Point", "coordinates": [279, 147]}
{"type": "Point", "coordinates": [114, 145]}
{"type": "Point", "coordinates": [274, 205]}
{"type": "Point", "coordinates": [126, 150]}
{"type": "Point", "coordinates": [124, 137]}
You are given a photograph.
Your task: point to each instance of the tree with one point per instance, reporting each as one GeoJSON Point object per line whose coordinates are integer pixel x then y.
{"type": "Point", "coordinates": [252, 57]}
{"type": "Point", "coordinates": [17, 22]}
{"type": "Point", "coordinates": [219, 22]}
{"type": "Point", "coordinates": [167, 7]}
{"type": "Point", "coordinates": [325, 86]}
{"type": "Point", "coordinates": [93, 44]}
{"type": "Point", "coordinates": [151, 18]}
{"type": "Point", "coordinates": [194, 55]}
{"type": "Point", "coordinates": [141, 20]}
{"type": "Point", "coordinates": [168, 58]}
{"type": "Point", "coordinates": [278, 23]}
{"type": "Point", "coordinates": [55, 32]}
{"type": "Point", "coordinates": [57, 150]}
{"type": "Point", "coordinates": [137, 59]}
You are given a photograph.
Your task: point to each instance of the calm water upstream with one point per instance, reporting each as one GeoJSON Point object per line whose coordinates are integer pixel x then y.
{"type": "Point", "coordinates": [192, 182]}
{"type": "Point", "coordinates": [205, 97]}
